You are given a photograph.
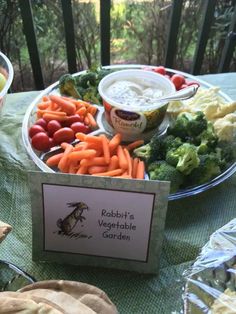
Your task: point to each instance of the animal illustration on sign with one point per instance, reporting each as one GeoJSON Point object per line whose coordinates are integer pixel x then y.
{"type": "Point", "coordinates": [69, 222]}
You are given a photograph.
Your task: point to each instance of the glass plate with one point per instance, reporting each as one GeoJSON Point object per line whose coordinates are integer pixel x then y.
{"type": "Point", "coordinates": [29, 119]}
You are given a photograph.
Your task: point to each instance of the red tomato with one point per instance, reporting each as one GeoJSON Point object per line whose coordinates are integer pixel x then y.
{"type": "Point", "coordinates": [35, 129]}
{"type": "Point", "coordinates": [178, 80]}
{"type": "Point", "coordinates": [53, 126]}
{"type": "Point", "coordinates": [80, 127]}
{"type": "Point", "coordinates": [63, 135]}
{"type": "Point", "coordinates": [40, 141]}
{"type": "Point", "coordinates": [160, 69]}
{"type": "Point", "coordinates": [72, 119]}
{"type": "Point", "coordinates": [42, 122]}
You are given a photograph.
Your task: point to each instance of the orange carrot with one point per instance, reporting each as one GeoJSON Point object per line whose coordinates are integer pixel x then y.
{"type": "Point", "coordinates": [96, 161]}
{"type": "Point", "coordinates": [91, 121]}
{"type": "Point", "coordinates": [78, 155]}
{"type": "Point", "coordinates": [73, 167]}
{"type": "Point", "coordinates": [140, 170]}
{"type": "Point", "coordinates": [134, 167]}
{"type": "Point", "coordinates": [82, 111]}
{"type": "Point", "coordinates": [66, 105]}
{"type": "Point", "coordinates": [97, 169]}
{"type": "Point", "coordinates": [82, 170]}
{"type": "Point", "coordinates": [86, 120]}
{"type": "Point", "coordinates": [92, 109]}
{"type": "Point", "coordinates": [45, 98]}
{"type": "Point", "coordinates": [135, 144]}
{"type": "Point", "coordinates": [54, 116]}
{"type": "Point", "coordinates": [63, 164]}
{"type": "Point", "coordinates": [114, 142]}
{"type": "Point", "coordinates": [122, 159]}
{"type": "Point", "coordinates": [129, 161]}
{"type": "Point", "coordinates": [54, 160]}
{"type": "Point", "coordinates": [57, 113]}
{"type": "Point", "coordinates": [44, 105]}
{"type": "Point", "coordinates": [93, 139]}
{"type": "Point", "coordinates": [80, 136]}
{"type": "Point", "coordinates": [114, 163]}
{"type": "Point", "coordinates": [111, 173]}
{"type": "Point", "coordinates": [105, 147]}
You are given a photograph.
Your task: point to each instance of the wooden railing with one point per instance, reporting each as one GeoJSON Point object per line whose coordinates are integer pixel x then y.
{"type": "Point", "coordinates": [105, 6]}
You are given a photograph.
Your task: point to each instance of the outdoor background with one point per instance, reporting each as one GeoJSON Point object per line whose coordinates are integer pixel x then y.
{"type": "Point", "coordinates": [138, 35]}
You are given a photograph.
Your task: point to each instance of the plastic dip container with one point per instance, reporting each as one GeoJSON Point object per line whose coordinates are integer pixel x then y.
{"type": "Point", "coordinates": [130, 100]}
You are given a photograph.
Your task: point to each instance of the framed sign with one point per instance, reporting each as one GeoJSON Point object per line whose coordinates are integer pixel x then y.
{"type": "Point", "coordinates": [107, 222]}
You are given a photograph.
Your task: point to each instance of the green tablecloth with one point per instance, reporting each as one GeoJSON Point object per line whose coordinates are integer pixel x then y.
{"type": "Point", "coordinates": [189, 223]}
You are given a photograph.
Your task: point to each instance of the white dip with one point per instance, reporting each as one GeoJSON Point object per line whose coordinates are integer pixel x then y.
{"type": "Point", "coordinates": [134, 92]}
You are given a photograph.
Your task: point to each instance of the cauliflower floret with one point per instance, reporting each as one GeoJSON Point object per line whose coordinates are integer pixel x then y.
{"type": "Point", "coordinates": [225, 127]}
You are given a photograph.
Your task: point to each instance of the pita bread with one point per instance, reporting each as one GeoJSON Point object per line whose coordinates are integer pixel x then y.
{"type": "Point", "coordinates": [13, 305]}
{"type": "Point", "coordinates": [4, 230]}
{"type": "Point", "coordinates": [88, 298]}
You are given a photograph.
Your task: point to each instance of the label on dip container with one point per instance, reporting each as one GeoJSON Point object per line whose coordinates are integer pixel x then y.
{"type": "Point", "coordinates": [128, 122]}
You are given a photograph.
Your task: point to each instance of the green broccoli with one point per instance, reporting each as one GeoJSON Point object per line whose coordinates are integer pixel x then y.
{"type": "Point", "coordinates": [184, 158]}
{"type": "Point", "coordinates": [67, 86]}
{"type": "Point", "coordinates": [91, 95]}
{"type": "Point", "coordinates": [208, 168]}
{"type": "Point", "coordinates": [188, 125]}
{"type": "Point", "coordinates": [228, 152]}
{"type": "Point", "coordinates": [207, 140]}
{"type": "Point", "coordinates": [87, 79]}
{"type": "Point", "coordinates": [161, 170]}
{"type": "Point", "coordinates": [157, 147]}
{"type": "Point", "coordinates": [102, 73]}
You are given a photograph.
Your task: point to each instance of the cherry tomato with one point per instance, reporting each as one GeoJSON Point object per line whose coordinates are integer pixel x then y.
{"type": "Point", "coordinates": [178, 80]}
{"type": "Point", "coordinates": [160, 69]}
{"type": "Point", "coordinates": [42, 122]}
{"type": "Point", "coordinates": [72, 119]}
{"type": "Point", "coordinates": [35, 129]}
{"type": "Point", "coordinates": [40, 141]}
{"type": "Point", "coordinates": [80, 127]}
{"type": "Point", "coordinates": [63, 135]}
{"type": "Point", "coordinates": [53, 126]}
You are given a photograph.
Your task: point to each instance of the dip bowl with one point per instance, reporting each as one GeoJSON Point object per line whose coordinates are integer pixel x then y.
{"type": "Point", "coordinates": [6, 78]}
{"type": "Point", "coordinates": [130, 100]}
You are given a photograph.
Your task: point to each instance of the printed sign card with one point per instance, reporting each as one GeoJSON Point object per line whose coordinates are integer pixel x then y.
{"type": "Point", "coordinates": [107, 222]}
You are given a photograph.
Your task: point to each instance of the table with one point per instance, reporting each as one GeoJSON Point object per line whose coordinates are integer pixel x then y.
{"type": "Point", "coordinates": [189, 223]}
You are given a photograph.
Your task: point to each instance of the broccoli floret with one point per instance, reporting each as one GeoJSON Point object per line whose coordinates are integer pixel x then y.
{"type": "Point", "coordinates": [208, 168]}
{"type": "Point", "coordinates": [228, 152]}
{"type": "Point", "coordinates": [207, 140]}
{"type": "Point", "coordinates": [102, 73]}
{"type": "Point", "coordinates": [67, 86]}
{"type": "Point", "coordinates": [91, 95]}
{"type": "Point", "coordinates": [188, 125]}
{"type": "Point", "coordinates": [87, 79]}
{"type": "Point", "coordinates": [157, 147]}
{"type": "Point", "coordinates": [184, 158]}
{"type": "Point", "coordinates": [161, 170]}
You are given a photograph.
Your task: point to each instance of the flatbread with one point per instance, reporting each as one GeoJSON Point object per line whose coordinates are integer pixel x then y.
{"type": "Point", "coordinates": [4, 230]}
{"type": "Point", "coordinates": [15, 304]}
{"type": "Point", "coordinates": [84, 296]}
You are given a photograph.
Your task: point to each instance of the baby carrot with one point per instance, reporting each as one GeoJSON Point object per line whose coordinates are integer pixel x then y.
{"type": "Point", "coordinates": [58, 113]}
{"type": "Point", "coordinates": [73, 167]}
{"type": "Point", "coordinates": [44, 105]}
{"type": "Point", "coordinates": [66, 105]}
{"type": "Point", "coordinates": [105, 147]}
{"type": "Point", "coordinates": [121, 157]}
{"type": "Point", "coordinates": [97, 169]}
{"type": "Point", "coordinates": [91, 121]}
{"type": "Point", "coordinates": [82, 170]}
{"type": "Point", "coordinates": [114, 163]}
{"type": "Point", "coordinates": [86, 120]}
{"type": "Point", "coordinates": [54, 160]}
{"type": "Point", "coordinates": [129, 161]}
{"type": "Point", "coordinates": [93, 139]}
{"type": "Point", "coordinates": [54, 116]}
{"type": "Point", "coordinates": [80, 136]}
{"type": "Point", "coordinates": [140, 170]}
{"type": "Point", "coordinates": [114, 142]}
{"type": "Point", "coordinates": [45, 98]}
{"type": "Point", "coordinates": [135, 144]}
{"type": "Point", "coordinates": [82, 111]}
{"type": "Point", "coordinates": [92, 109]}
{"type": "Point", "coordinates": [63, 164]}
{"type": "Point", "coordinates": [111, 173]}
{"type": "Point", "coordinates": [96, 161]}
{"type": "Point", "coordinates": [78, 155]}
{"type": "Point", "coordinates": [134, 167]}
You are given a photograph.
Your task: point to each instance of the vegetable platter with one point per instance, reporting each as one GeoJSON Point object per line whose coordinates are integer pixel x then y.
{"type": "Point", "coordinates": [94, 129]}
